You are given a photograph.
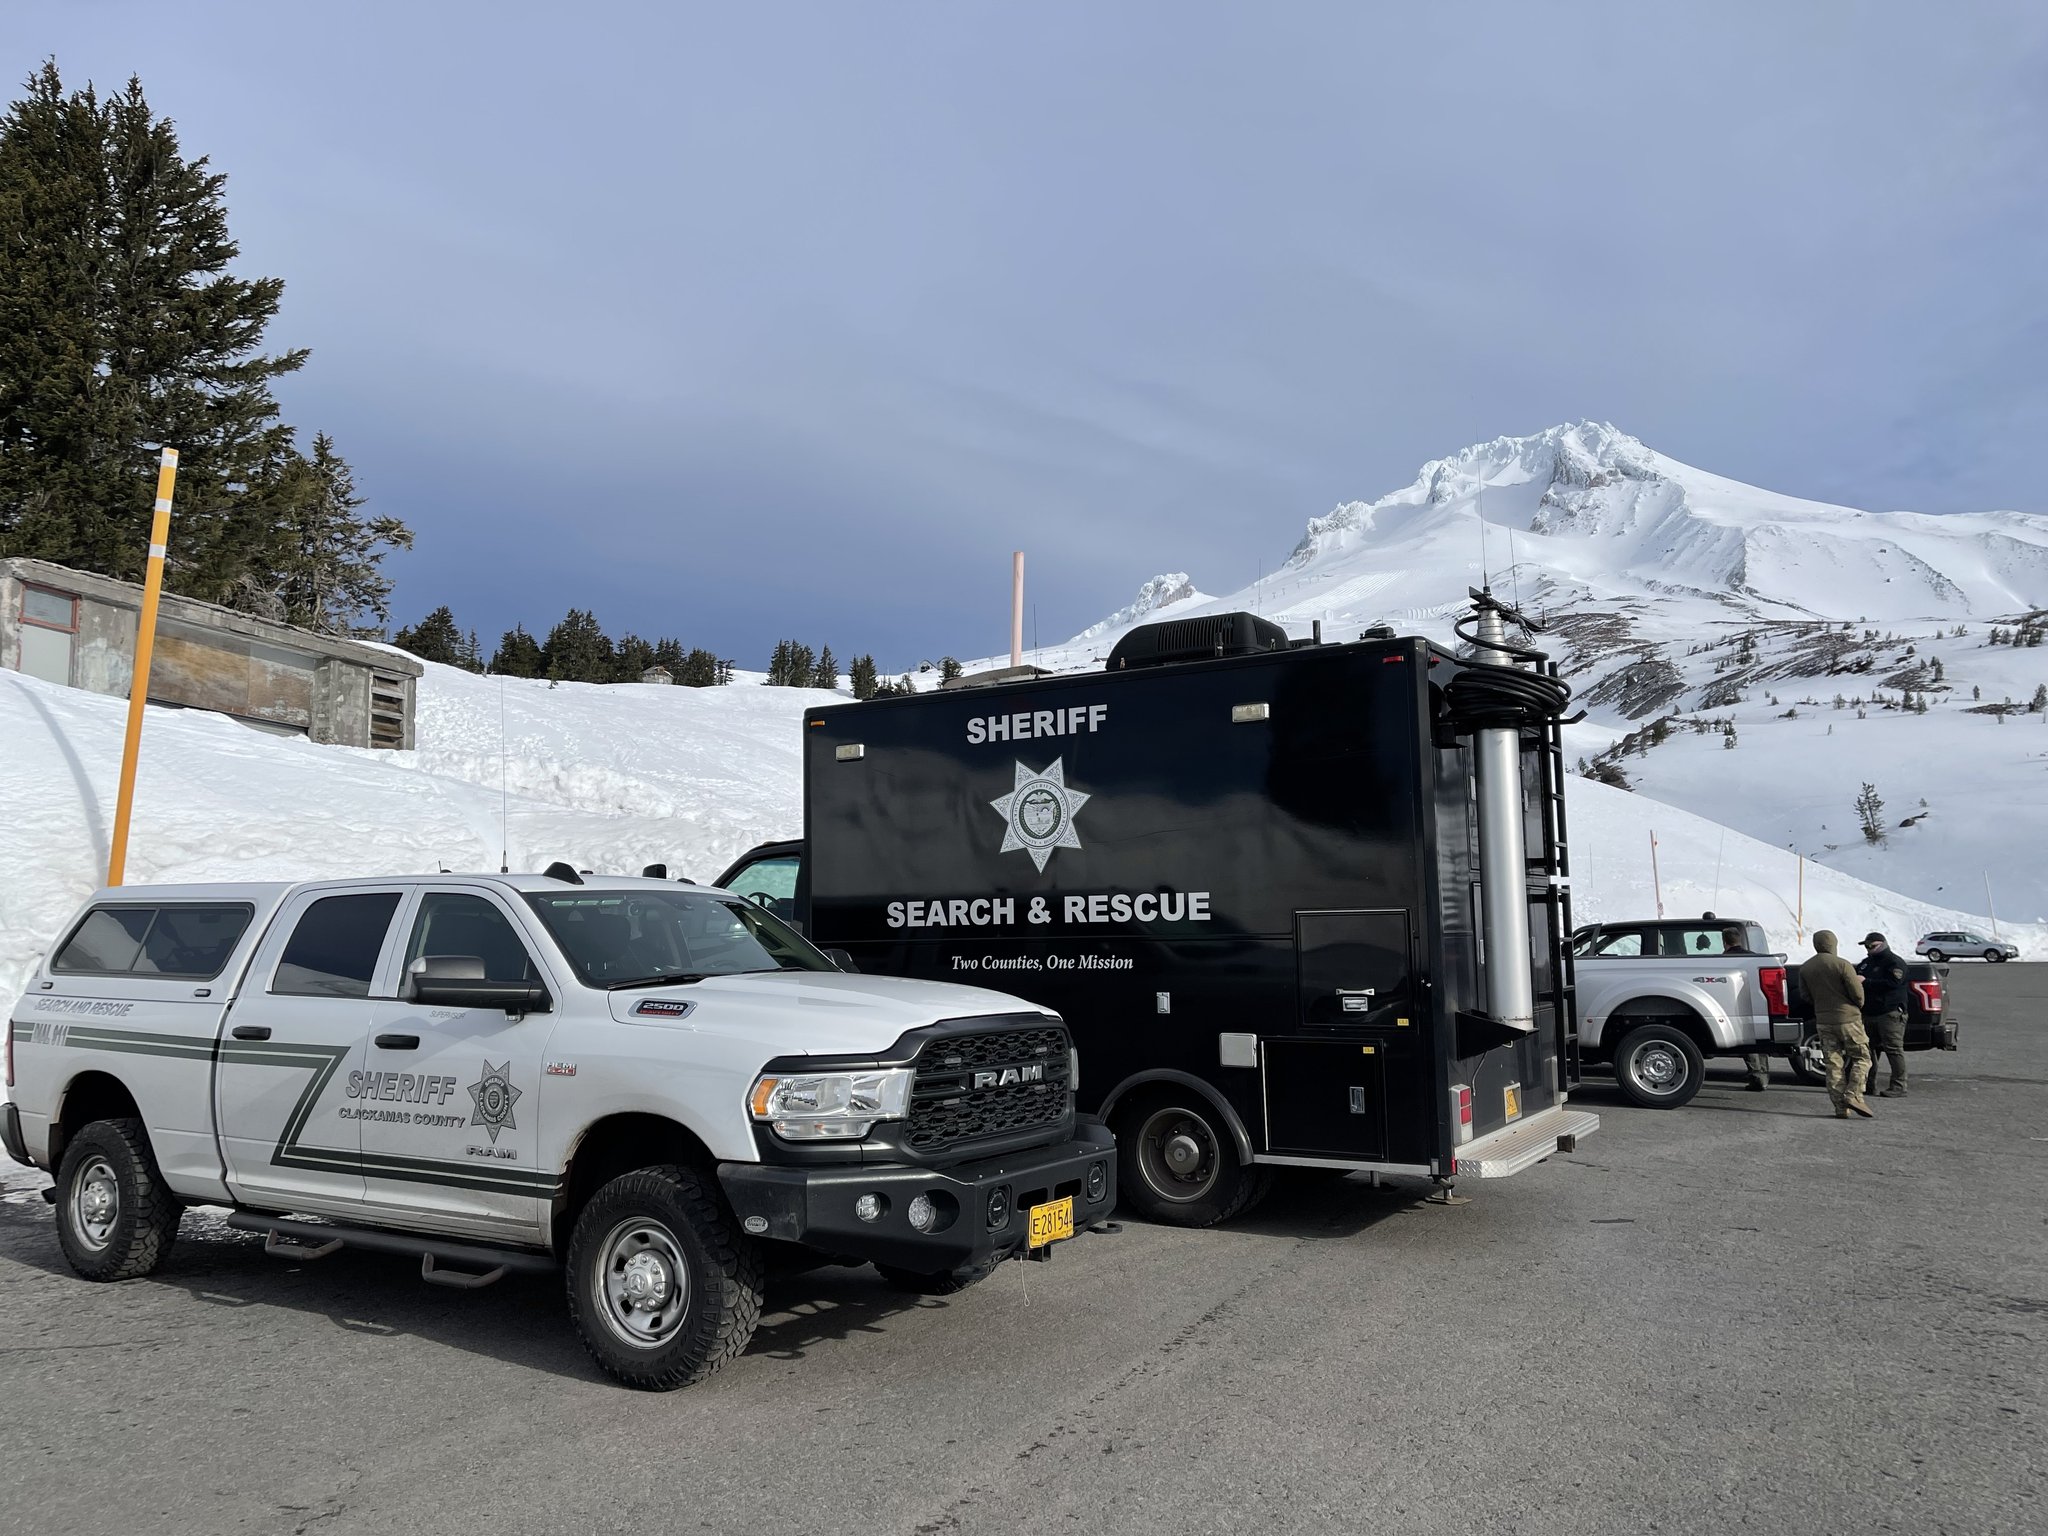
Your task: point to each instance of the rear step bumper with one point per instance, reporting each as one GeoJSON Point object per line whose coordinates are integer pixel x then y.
{"type": "Point", "coordinates": [1512, 1148]}
{"type": "Point", "coordinates": [304, 1240]}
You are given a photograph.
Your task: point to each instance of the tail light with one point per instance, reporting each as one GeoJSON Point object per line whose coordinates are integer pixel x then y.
{"type": "Point", "coordinates": [1772, 979]}
{"type": "Point", "coordinates": [1461, 1113]}
{"type": "Point", "coordinates": [1929, 991]}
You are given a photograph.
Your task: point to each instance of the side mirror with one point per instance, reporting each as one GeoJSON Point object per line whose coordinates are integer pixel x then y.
{"type": "Point", "coordinates": [843, 960]}
{"type": "Point", "coordinates": [655, 872]}
{"type": "Point", "coordinates": [458, 981]}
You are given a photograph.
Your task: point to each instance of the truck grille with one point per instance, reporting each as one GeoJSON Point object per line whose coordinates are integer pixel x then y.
{"type": "Point", "coordinates": [947, 1108]}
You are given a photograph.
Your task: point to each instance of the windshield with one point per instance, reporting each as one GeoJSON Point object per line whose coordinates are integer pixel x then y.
{"type": "Point", "coordinates": [640, 938]}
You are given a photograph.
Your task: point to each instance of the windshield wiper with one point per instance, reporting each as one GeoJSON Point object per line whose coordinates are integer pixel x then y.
{"type": "Point", "coordinates": [681, 978]}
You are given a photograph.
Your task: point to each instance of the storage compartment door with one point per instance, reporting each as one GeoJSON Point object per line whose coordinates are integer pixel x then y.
{"type": "Point", "coordinates": [1354, 969]}
{"type": "Point", "coordinates": [1325, 1098]}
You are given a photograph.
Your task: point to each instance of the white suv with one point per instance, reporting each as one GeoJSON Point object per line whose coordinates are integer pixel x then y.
{"type": "Point", "coordinates": [1958, 944]}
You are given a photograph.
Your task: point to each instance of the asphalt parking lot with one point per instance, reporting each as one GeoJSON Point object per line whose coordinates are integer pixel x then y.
{"type": "Point", "coordinates": [1743, 1315]}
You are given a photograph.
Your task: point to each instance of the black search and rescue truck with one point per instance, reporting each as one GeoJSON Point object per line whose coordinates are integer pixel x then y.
{"type": "Point", "coordinates": [1245, 872]}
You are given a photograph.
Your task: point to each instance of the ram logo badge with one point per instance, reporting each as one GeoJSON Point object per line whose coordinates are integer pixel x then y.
{"type": "Point", "coordinates": [1003, 1077]}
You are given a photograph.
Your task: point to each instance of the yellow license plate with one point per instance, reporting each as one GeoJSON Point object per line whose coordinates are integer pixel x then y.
{"type": "Point", "coordinates": [1514, 1096]}
{"type": "Point", "coordinates": [1053, 1222]}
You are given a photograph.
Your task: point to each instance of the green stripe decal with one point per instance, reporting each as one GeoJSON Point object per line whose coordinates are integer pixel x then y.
{"type": "Point", "coordinates": [323, 1061]}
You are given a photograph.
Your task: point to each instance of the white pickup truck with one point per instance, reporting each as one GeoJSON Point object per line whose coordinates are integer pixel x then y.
{"type": "Point", "coordinates": [661, 1088]}
{"type": "Point", "coordinates": [1659, 996]}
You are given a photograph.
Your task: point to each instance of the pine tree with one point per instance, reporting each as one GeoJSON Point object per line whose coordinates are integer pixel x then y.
{"type": "Point", "coordinates": [324, 562]}
{"type": "Point", "coordinates": [631, 657]}
{"type": "Point", "coordinates": [122, 327]}
{"type": "Point", "coordinates": [668, 653]}
{"type": "Point", "coordinates": [862, 676]}
{"type": "Point", "coordinates": [435, 638]}
{"type": "Point", "coordinates": [826, 673]}
{"type": "Point", "coordinates": [472, 654]}
{"type": "Point", "coordinates": [2039, 703]}
{"type": "Point", "coordinates": [1870, 813]}
{"type": "Point", "coordinates": [701, 669]}
{"type": "Point", "coordinates": [949, 668]}
{"type": "Point", "coordinates": [518, 655]}
{"type": "Point", "coordinates": [578, 650]}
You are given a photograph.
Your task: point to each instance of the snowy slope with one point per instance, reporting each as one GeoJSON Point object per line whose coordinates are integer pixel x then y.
{"type": "Point", "coordinates": [609, 777]}
{"type": "Point", "coordinates": [1649, 574]}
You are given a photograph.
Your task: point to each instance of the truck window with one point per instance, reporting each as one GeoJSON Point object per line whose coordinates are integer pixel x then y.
{"type": "Point", "coordinates": [1614, 943]}
{"type": "Point", "coordinates": [770, 883]}
{"type": "Point", "coordinates": [454, 923]}
{"type": "Point", "coordinates": [107, 941]}
{"type": "Point", "coordinates": [333, 951]}
{"type": "Point", "coordinates": [192, 943]}
{"type": "Point", "coordinates": [642, 938]}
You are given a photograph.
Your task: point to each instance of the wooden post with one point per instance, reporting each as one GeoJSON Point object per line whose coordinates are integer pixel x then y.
{"type": "Point", "coordinates": [1656, 882]}
{"type": "Point", "coordinates": [145, 650]}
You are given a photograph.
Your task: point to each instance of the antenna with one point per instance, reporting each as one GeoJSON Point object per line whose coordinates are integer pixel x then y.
{"type": "Point", "coordinates": [504, 792]}
{"type": "Point", "coordinates": [1479, 507]}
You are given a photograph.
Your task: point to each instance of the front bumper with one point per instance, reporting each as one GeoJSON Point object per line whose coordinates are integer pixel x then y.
{"type": "Point", "coordinates": [814, 1205]}
{"type": "Point", "coordinates": [10, 1133]}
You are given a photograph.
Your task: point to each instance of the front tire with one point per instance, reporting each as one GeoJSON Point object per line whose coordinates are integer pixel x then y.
{"type": "Point", "coordinates": [116, 1218]}
{"type": "Point", "coordinates": [1936, 956]}
{"type": "Point", "coordinates": [1177, 1163]}
{"type": "Point", "coordinates": [1658, 1067]}
{"type": "Point", "coordinates": [662, 1287]}
{"type": "Point", "coordinates": [1995, 956]}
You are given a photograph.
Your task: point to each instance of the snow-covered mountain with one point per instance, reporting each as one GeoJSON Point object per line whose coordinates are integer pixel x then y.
{"type": "Point", "coordinates": [1669, 593]}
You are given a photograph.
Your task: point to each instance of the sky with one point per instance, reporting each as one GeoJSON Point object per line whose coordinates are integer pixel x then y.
{"type": "Point", "coordinates": [740, 322]}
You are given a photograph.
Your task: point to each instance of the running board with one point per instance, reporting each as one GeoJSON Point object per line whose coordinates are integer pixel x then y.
{"type": "Point", "coordinates": [284, 1238]}
{"type": "Point", "coordinates": [1509, 1150]}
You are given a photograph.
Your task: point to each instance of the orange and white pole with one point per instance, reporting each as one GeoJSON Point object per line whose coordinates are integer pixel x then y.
{"type": "Point", "coordinates": [145, 650]}
{"type": "Point", "coordinates": [1017, 608]}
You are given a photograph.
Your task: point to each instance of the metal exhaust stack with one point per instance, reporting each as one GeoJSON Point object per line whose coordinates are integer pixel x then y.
{"type": "Point", "coordinates": [1503, 849]}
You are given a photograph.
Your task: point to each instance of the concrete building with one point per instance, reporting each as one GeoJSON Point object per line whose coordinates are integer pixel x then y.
{"type": "Point", "coordinates": [71, 627]}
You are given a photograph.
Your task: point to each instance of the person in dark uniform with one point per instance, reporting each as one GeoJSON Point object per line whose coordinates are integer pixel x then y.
{"type": "Point", "coordinates": [1884, 1011]}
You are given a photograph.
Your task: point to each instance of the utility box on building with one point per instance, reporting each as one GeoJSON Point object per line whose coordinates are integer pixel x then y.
{"type": "Point", "coordinates": [78, 629]}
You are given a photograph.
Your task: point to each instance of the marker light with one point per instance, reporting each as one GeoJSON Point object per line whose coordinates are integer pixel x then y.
{"type": "Point", "coordinates": [922, 1213]}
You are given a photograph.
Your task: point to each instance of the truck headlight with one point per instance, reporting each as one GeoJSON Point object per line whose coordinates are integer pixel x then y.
{"type": "Point", "coordinates": [831, 1106]}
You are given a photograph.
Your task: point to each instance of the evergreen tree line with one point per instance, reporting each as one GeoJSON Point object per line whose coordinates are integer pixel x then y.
{"type": "Point", "coordinates": [123, 329]}
{"type": "Point", "coordinates": [576, 650]}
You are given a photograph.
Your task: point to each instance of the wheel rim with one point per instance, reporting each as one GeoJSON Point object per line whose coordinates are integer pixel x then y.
{"type": "Point", "coordinates": [1657, 1069]}
{"type": "Point", "coordinates": [1936, 956]}
{"type": "Point", "coordinates": [644, 1283]}
{"type": "Point", "coordinates": [1992, 954]}
{"type": "Point", "coordinates": [1177, 1155]}
{"type": "Point", "coordinates": [95, 1204]}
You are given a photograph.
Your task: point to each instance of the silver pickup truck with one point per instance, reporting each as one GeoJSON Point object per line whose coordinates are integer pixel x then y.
{"type": "Point", "coordinates": [1659, 996]}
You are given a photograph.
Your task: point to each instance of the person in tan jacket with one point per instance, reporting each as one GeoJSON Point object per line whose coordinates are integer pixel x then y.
{"type": "Point", "coordinates": [1836, 992]}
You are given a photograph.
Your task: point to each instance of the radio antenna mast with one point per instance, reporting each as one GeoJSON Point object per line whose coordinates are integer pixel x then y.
{"type": "Point", "coordinates": [504, 791]}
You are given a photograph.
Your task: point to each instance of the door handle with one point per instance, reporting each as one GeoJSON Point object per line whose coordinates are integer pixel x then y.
{"type": "Point", "coordinates": [251, 1031]}
{"type": "Point", "coordinates": [398, 1042]}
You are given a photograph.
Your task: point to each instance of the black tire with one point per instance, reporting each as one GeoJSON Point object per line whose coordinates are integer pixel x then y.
{"type": "Point", "coordinates": [634, 1241]}
{"type": "Point", "coordinates": [1936, 956]}
{"type": "Point", "coordinates": [116, 1218]}
{"type": "Point", "coordinates": [1995, 956]}
{"type": "Point", "coordinates": [1658, 1067]}
{"type": "Point", "coordinates": [945, 1283]}
{"type": "Point", "coordinates": [1809, 1062]}
{"type": "Point", "coordinates": [1177, 1162]}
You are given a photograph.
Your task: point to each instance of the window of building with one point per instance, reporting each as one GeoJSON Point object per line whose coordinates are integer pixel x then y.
{"type": "Point", "coordinates": [49, 633]}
